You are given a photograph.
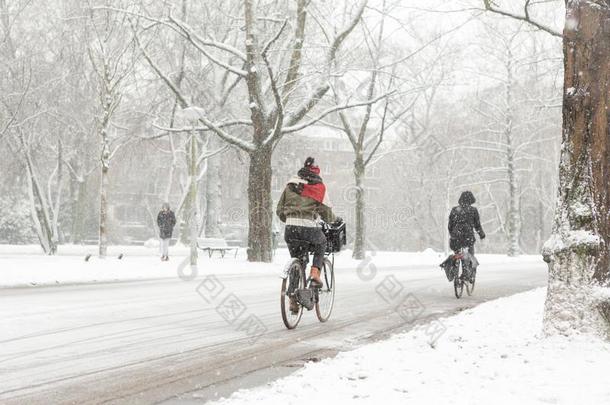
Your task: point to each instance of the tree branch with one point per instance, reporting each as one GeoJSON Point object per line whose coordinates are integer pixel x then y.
{"type": "Point", "coordinates": [209, 155]}
{"type": "Point", "coordinates": [294, 128]}
{"type": "Point", "coordinates": [245, 145]}
{"type": "Point", "coordinates": [295, 58]}
{"type": "Point", "coordinates": [380, 135]}
{"type": "Point", "coordinates": [189, 36]}
{"type": "Point", "coordinates": [198, 129]}
{"type": "Point", "coordinates": [258, 107]}
{"type": "Point", "coordinates": [215, 44]}
{"type": "Point", "coordinates": [279, 109]}
{"type": "Point", "coordinates": [489, 6]}
{"type": "Point", "coordinates": [181, 99]}
{"type": "Point", "coordinates": [317, 95]}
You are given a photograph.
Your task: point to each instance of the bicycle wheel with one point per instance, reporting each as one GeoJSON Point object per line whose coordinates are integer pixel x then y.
{"type": "Point", "coordinates": [470, 284]}
{"type": "Point", "coordinates": [295, 279]}
{"type": "Point", "coordinates": [326, 294]}
{"type": "Point", "coordinates": [458, 283]}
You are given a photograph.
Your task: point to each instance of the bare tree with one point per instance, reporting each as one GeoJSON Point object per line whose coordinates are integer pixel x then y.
{"type": "Point", "coordinates": [504, 116]}
{"type": "Point", "coordinates": [110, 50]}
{"type": "Point", "coordinates": [270, 116]}
{"type": "Point", "coordinates": [25, 91]}
{"type": "Point", "coordinates": [365, 127]}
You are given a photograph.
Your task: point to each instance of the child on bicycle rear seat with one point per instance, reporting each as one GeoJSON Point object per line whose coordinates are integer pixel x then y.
{"type": "Point", "coordinates": [301, 206]}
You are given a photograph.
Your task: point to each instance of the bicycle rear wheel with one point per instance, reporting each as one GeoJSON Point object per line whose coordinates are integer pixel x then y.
{"type": "Point", "coordinates": [326, 294]}
{"type": "Point", "coordinates": [295, 279]}
{"type": "Point", "coordinates": [470, 284]}
{"type": "Point", "coordinates": [458, 283]}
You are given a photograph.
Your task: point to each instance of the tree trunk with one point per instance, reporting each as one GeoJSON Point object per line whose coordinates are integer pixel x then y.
{"type": "Point", "coordinates": [105, 163]}
{"type": "Point", "coordinates": [448, 189]}
{"type": "Point", "coordinates": [39, 210]}
{"type": "Point", "coordinates": [103, 237]}
{"type": "Point", "coordinates": [192, 200]}
{"type": "Point", "coordinates": [213, 197]}
{"type": "Point", "coordinates": [260, 206]}
{"type": "Point", "coordinates": [360, 235]}
{"type": "Point", "coordinates": [57, 203]}
{"type": "Point", "coordinates": [79, 192]}
{"type": "Point", "coordinates": [514, 214]}
{"type": "Point", "coordinates": [578, 250]}
{"type": "Point", "coordinates": [541, 230]}
{"type": "Point", "coordinates": [172, 171]}
{"type": "Point", "coordinates": [514, 219]}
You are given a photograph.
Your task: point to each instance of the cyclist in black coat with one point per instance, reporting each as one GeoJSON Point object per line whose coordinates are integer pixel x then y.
{"type": "Point", "coordinates": [463, 221]}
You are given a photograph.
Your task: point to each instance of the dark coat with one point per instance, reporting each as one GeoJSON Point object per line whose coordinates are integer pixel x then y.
{"type": "Point", "coordinates": [463, 221]}
{"type": "Point", "coordinates": [166, 220]}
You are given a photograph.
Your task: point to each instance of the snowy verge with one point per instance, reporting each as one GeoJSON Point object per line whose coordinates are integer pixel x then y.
{"type": "Point", "coordinates": [22, 266]}
{"type": "Point", "coordinates": [27, 266]}
{"type": "Point", "coordinates": [492, 354]}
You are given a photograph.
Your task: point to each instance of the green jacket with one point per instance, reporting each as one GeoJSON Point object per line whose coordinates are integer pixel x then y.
{"type": "Point", "coordinates": [293, 205]}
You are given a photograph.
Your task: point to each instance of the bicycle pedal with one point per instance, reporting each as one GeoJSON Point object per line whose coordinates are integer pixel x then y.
{"type": "Point", "coordinates": [313, 285]}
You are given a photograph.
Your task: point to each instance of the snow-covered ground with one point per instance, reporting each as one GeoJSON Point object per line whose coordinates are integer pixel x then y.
{"type": "Point", "coordinates": [492, 354]}
{"type": "Point", "coordinates": [160, 337]}
{"type": "Point", "coordinates": [27, 266]}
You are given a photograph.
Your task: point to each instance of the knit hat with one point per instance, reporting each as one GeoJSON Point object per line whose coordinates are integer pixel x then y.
{"type": "Point", "coordinates": [310, 164]}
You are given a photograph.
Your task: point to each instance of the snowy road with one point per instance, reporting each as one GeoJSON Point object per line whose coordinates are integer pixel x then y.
{"type": "Point", "coordinates": [157, 341]}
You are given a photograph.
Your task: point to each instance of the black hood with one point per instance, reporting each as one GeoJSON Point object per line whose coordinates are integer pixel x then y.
{"type": "Point", "coordinates": [467, 198]}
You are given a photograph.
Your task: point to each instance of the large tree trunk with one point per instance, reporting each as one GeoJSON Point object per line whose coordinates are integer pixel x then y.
{"type": "Point", "coordinates": [360, 236]}
{"type": "Point", "coordinates": [260, 206]}
{"type": "Point", "coordinates": [578, 250]}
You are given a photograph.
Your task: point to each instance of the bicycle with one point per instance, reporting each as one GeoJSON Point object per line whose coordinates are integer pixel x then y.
{"type": "Point", "coordinates": [295, 285]}
{"type": "Point", "coordinates": [464, 274]}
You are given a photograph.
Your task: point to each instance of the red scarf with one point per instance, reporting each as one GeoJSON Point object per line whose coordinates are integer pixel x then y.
{"type": "Point", "coordinates": [314, 191]}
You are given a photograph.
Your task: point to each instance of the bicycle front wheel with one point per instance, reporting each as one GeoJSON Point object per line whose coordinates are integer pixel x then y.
{"type": "Point", "coordinates": [294, 280]}
{"type": "Point", "coordinates": [326, 294]}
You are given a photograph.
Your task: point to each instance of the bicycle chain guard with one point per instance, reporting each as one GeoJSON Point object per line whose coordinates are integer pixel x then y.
{"type": "Point", "coordinates": [306, 297]}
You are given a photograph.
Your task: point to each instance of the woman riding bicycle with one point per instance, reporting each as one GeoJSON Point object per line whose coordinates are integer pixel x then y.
{"type": "Point", "coordinates": [463, 221]}
{"type": "Point", "coordinates": [301, 205]}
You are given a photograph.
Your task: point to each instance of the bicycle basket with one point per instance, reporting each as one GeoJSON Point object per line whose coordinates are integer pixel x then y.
{"type": "Point", "coordinates": [336, 237]}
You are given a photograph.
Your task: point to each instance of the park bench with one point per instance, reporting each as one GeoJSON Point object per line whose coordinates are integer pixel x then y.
{"type": "Point", "coordinates": [212, 245]}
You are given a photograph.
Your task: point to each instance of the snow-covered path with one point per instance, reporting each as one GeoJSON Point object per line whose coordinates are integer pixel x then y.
{"type": "Point", "coordinates": [154, 340]}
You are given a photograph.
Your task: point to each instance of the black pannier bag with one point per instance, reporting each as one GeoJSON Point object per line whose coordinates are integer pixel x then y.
{"type": "Point", "coordinates": [450, 267]}
{"type": "Point", "coordinates": [336, 237]}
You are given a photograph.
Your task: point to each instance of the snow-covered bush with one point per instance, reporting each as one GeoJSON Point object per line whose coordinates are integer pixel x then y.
{"type": "Point", "coordinates": [15, 222]}
{"type": "Point", "coordinates": [152, 243]}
